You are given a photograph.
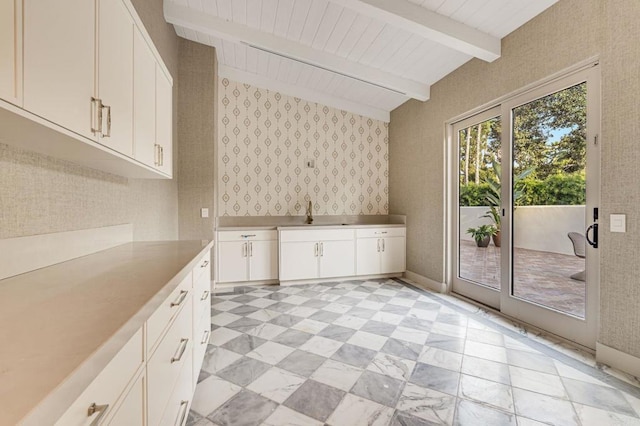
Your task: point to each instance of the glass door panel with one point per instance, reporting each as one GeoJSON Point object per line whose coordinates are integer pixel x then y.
{"type": "Point", "coordinates": [549, 192]}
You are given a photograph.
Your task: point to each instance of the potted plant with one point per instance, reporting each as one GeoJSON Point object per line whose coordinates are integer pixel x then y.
{"type": "Point", "coordinates": [482, 234]}
{"type": "Point", "coordinates": [493, 197]}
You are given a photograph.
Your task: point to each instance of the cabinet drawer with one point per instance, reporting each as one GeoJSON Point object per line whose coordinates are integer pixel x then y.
{"type": "Point", "coordinates": [381, 232]}
{"type": "Point", "coordinates": [317, 235]}
{"type": "Point", "coordinates": [131, 410]}
{"type": "Point", "coordinates": [166, 362]}
{"type": "Point", "coordinates": [107, 388]}
{"type": "Point", "coordinates": [203, 267]}
{"type": "Point", "coordinates": [201, 335]}
{"type": "Point", "coordinates": [177, 406]}
{"type": "Point", "coordinates": [261, 235]}
{"type": "Point", "coordinates": [161, 318]}
{"type": "Point", "coordinates": [201, 298]}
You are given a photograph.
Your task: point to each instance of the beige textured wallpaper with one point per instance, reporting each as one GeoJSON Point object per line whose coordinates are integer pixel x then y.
{"type": "Point", "coordinates": [569, 32]}
{"type": "Point", "coordinates": [39, 194]}
{"type": "Point", "coordinates": [196, 134]}
{"type": "Point", "coordinates": [266, 137]}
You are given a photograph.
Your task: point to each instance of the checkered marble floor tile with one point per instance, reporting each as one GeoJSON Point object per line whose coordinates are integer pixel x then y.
{"type": "Point", "coordinates": [382, 352]}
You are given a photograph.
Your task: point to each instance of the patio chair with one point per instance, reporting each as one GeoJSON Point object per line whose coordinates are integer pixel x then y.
{"type": "Point", "coordinates": [579, 249]}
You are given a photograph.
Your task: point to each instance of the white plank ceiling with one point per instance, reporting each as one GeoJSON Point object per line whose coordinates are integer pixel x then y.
{"type": "Point", "coordinates": [364, 56]}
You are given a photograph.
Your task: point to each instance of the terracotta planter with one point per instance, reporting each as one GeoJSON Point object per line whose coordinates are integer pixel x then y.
{"type": "Point", "coordinates": [484, 242]}
{"type": "Point", "coordinates": [497, 239]}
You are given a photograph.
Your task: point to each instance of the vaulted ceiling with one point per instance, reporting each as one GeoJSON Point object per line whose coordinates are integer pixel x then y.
{"type": "Point", "coordinates": [364, 56]}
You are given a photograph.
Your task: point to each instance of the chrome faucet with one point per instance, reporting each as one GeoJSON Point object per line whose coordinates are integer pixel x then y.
{"type": "Point", "coordinates": [309, 220]}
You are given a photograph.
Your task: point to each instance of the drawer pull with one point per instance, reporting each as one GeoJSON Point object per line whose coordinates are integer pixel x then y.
{"type": "Point", "coordinates": [247, 235]}
{"type": "Point", "coordinates": [100, 409]}
{"type": "Point", "coordinates": [180, 299]}
{"type": "Point", "coordinates": [204, 264]}
{"type": "Point", "coordinates": [205, 337]}
{"type": "Point", "coordinates": [182, 414]}
{"type": "Point", "coordinates": [180, 351]}
{"type": "Point", "coordinates": [383, 232]}
{"type": "Point", "coordinates": [205, 295]}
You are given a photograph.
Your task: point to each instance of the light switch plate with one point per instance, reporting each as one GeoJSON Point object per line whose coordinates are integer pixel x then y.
{"type": "Point", "coordinates": [618, 223]}
{"type": "Point", "coordinates": [204, 212]}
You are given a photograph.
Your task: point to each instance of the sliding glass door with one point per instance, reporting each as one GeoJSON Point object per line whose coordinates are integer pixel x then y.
{"type": "Point", "coordinates": [527, 174]}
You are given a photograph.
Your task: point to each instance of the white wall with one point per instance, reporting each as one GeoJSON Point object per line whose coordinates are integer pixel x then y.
{"type": "Point", "coordinates": [542, 228]}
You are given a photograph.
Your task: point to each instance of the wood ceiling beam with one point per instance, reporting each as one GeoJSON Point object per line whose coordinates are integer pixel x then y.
{"type": "Point", "coordinates": [188, 18]}
{"type": "Point", "coordinates": [430, 25]}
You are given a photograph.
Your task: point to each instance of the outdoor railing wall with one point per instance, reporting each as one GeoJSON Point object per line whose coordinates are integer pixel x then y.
{"type": "Point", "coordinates": [542, 228]}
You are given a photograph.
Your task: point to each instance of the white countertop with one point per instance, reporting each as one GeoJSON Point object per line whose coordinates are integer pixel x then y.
{"type": "Point", "coordinates": [310, 226]}
{"type": "Point", "coordinates": [61, 325]}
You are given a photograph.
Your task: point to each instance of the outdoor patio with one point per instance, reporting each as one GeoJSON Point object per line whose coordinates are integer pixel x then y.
{"type": "Point", "coordinates": [541, 277]}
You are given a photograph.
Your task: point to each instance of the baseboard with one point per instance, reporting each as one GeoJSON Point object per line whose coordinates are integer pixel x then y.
{"type": "Point", "coordinates": [618, 359]}
{"type": "Point", "coordinates": [333, 279]}
{"type": "Point", "coordinates": [25, 254]}
{"type": "Point", "coordinates": [426, 283]}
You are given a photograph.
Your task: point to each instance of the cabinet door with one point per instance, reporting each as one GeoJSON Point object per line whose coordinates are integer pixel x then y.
{"type": "Point", "coordinates": [263, 260]}
{"type": "Point", "coordinates": [393, 255]}
{"type": "Point", "coordinates": [59, 56]}
{"type": "Point", "coordinates": [115, 75]}
{"type": "Point", "coordinates": [131, 410]}
{"type": "Point", "coordinates": [368, 256]}
{"type": "Point", "coordinates": [232, 261]}
{"type": "Point", "coordinates": [10, 50]}
{"type": "Point", "coordinates": [298, 260]}
{"type": "Point", "coordinates": [337, 259]}
{"type": "Point", "coordinates": [164, 121]}
{"type": "Point", "coordinates": [144, 101]}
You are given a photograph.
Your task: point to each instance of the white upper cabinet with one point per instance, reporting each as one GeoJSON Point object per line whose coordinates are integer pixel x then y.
{"type": "Point", "coordinates": [115, 76]}
{"type": "Point", "coordinates": [144, 102]}
{"type": "Point", "coordinates": [164, 122]}
{"type": "Point", "coordinates": [11, 51]}
{"type": "Point", "coordinates": [59, 62]}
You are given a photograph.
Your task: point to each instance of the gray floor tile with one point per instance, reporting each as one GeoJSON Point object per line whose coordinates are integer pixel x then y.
{"type": "Point", "coordinates": [285, 320]}
{"type": "Point", "coordinates": [243, 344]}
{"type": "Point", "coordinates": [416, 323]}
{"type": "Point", "coordinates": [293, 338]}
{"type": "Point", "coordinates": [402, 349]}
{"type": "Point", "coordinates": [282, 306]}
{"type": "Point", "coordinates": [361, 313]}
{"type": "Point", "coordinates": [396, 309]}
{"type": "Point", "coordinates": [244, 409]}
{"type": "Point", "coordinates": [244, 371]}
{"type": "Point", "coordinates": [400, 418]}
{"type": "Point", "coordinates": [432, 377]}
{"type": "Point", "coordinates": [346, 300]}
{"type": "Point", "coordinates": [472, 414]}
{"type": "Point", "coordinates": [598, 396]}
{"type": "Point", "coordinates": [449, 343]}
{"type": "Point", "coordinates": [537, 362]}
{"type": "Point", "coordinates": [245, 298]}
{"type": "Point", "coordinates": [243, 324]}
{"type": "Point", "coordinates": [302, 363]}
{"type": "Point", "coordinates": [315, 400]}
{"type": "Point", "coordinates": [379, 388]}
{"type": "Point", "coordinates": [315, 303]}
{"type": "Point", "coordinates": [337, 332]}
{"type": "Point", "coordinates": [244, 310]}
{"type": "Point", "coordinates": [377, 327]}
{"type": "Point", "coordinates": [325, 316]}
{"type": "Point", "coordinates": [354, 355]}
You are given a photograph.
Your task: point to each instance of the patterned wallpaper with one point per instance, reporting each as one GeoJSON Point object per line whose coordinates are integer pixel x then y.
{"type": "Point", "coordinates": [265, 140]}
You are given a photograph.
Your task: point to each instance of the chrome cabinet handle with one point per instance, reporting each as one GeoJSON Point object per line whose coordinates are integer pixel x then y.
{"type": "Point", "coordinates": [182, 414]}
{"type": "Point", "coordinates": [180, 299]}
{"type": "Point", "coordinates": [315, 250]}
{"type": "Point", "coordinates": [381, 232]}
{"type": "Point", "coordinates": [250, 249]}
{"type": "Point", "coordinates": [100, 409]}
{"type": "Point", "coordinates": [378, 244]}
{"type": "Point", "coordinates": [204, 264]}
{"type": "Point", "coordinates": [96, 105]}
{"type": "Point", "coordinates": [161, 155]}
{"type": "Point", "coordinates": [156, 154]}
{"type": "Point", "coordinates": [244, 250]}
{"type": "Point", "coordinates": [247, 235]}
{"type": "Point", "coordinates": [383, 244]}
{"type": "Point", "coordinates": [108, 134]}
{"type": "Point", "coordinates": [321, 249]}
{"type": "Point", "coordinates": [180, 351]}
{"type": "Point", "coordinates": [205, 295]}
{"type": "Point", "coordinates": [205, 337]}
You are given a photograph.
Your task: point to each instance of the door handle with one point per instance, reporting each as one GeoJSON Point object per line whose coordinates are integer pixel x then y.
{"type": "Point", "coordinates": [593, 243]}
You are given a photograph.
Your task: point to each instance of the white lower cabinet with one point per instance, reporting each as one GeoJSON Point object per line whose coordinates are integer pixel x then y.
{"type": "Point", "coordinates": [380, 250]}
{"type": "Point", "coordinates": [316, 254]}
{"type": "Point", "coordinates": [247, 256]}
{"type": "Point", "coordinates": [154, 386]}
